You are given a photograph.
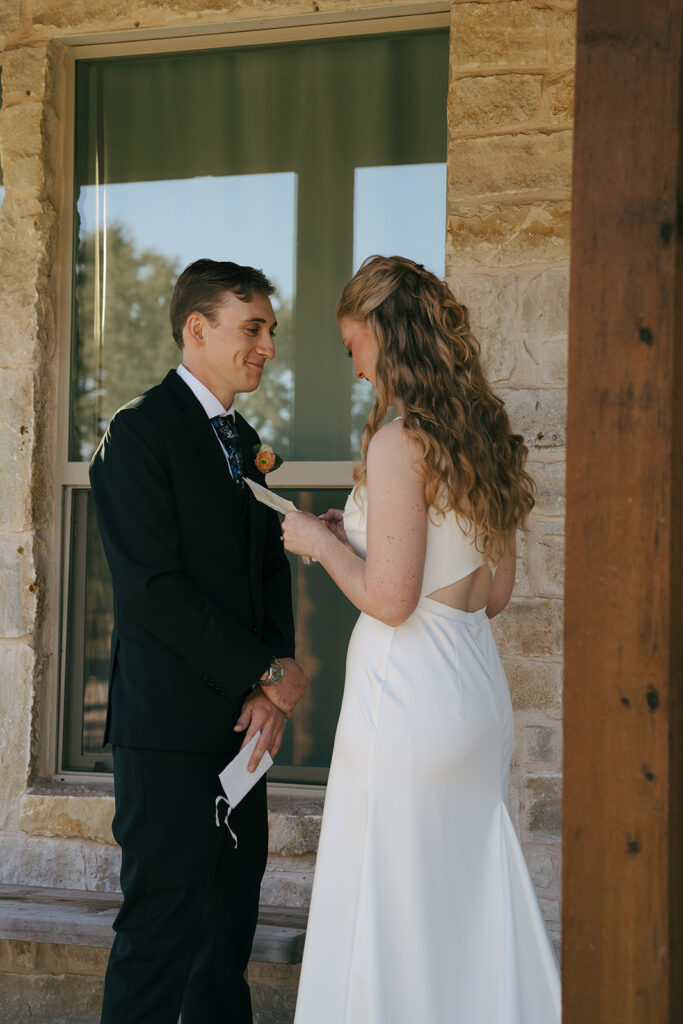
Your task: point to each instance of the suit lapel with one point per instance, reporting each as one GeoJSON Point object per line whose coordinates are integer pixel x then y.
{"type": "Point", "coordinates": [256, 512]}
{"type": "Point", "coordinates": [199, 432]}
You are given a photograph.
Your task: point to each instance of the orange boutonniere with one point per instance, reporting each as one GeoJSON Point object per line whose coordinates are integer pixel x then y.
{"type": "Point", "coordinates": [265, 459]}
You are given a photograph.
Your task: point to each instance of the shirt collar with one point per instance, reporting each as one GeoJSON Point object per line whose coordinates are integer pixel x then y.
{"type": "Point", "coordinates": [210, 404]}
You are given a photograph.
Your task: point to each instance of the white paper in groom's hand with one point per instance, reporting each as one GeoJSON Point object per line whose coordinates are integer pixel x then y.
{"type": "Point", "coordinates": [236, 780]}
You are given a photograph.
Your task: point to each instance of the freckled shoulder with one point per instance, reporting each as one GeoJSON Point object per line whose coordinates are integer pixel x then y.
{"type": "Point", "coordinates": [391, 444]}
{"type": "Point", "coordinates": [391, 439]}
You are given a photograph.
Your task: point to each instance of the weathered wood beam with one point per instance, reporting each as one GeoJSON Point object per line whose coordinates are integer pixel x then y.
{"type": "Point", "coordinates": [623, 801]}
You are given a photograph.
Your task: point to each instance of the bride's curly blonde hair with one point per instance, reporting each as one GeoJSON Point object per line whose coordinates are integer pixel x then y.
{"type": "Point", "coordinates": [428, 367]}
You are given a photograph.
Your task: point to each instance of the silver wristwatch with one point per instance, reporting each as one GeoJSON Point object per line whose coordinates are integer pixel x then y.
{"type": "Point", "coordinates": [275, 674]}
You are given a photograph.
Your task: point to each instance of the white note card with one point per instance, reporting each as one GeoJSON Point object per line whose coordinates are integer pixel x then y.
{"type": "Point", "coordinates": [236, 780]}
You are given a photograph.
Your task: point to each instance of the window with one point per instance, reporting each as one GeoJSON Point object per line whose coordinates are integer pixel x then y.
{"type": "Point", "coordinates": [299, 158]}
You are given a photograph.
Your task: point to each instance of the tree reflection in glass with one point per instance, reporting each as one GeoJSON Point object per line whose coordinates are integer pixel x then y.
{"type": "Point", "coordinates": [136, 348]}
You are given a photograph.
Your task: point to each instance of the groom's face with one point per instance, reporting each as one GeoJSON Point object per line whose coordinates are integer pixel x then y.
{"type": "Point", "coordinates": [234, 345]}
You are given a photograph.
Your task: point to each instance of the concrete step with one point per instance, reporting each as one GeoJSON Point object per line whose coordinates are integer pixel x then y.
{"type": "Point", "coordinates": [82, 918]}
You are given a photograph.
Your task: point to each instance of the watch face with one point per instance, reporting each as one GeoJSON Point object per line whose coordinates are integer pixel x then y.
{"type": "Point", "coordinates": [276, 671]}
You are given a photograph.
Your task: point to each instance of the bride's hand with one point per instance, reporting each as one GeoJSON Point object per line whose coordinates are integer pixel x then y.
{"type": "Point", "coordinates": [334, 521]}
{"type": "Point", "coordinates": [301, 532]}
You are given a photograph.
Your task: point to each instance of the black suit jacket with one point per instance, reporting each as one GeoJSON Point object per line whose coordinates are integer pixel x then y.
{"type": "Point", "coordinates": [202, 596]}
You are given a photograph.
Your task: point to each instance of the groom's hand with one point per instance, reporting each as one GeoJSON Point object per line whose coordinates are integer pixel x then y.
{"type": "Point", "coordinates": [258, 713]}
{"type": "Point", "coordinates": [291, 688]}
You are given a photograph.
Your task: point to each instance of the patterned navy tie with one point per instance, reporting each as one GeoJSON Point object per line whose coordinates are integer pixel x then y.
{"type": "Point", "coordinates": [229, 435]}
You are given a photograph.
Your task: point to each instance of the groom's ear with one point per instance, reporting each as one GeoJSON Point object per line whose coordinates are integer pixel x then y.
{"type": "Point", "coordinates": [193, 331]}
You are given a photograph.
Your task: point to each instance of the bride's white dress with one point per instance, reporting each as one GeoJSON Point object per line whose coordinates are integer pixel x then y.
{"type": "Point", "coordinates": [422, 910]}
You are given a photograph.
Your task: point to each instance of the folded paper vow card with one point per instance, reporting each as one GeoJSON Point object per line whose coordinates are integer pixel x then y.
{"type": "Point", "coordinates": [281, 505]}
{"type": "Point", "coordinates": [236, 780]}
{"type": "Point", "coordinates": [269, 498]}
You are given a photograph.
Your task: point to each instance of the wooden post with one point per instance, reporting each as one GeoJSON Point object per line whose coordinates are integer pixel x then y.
{"type": "Point", "coordinates": [623, 806]}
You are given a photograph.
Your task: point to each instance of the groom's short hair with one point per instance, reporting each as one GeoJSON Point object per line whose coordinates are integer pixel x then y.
{"type": "Point", "coordinates": [202, 285]}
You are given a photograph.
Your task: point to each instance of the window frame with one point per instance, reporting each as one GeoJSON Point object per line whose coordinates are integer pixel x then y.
{"type": "Point", "coordinates": [73, 476]}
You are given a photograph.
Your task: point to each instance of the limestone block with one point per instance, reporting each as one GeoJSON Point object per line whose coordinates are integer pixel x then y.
{"type": "Point", "coordinates": [80, 14]}
{"type": "Point", "coordinates": [19, 331]}
{"type": "Point", "coordinates": [296, 801]}
{"type": "Point", "coordinates": [557, 99]}
{"type": "Point", "coordinates": [18, 586]}
{"type": "Point", "coordinates": [163, 11]}
{"type": "Point", "coordinates": [273, 991]}
{"type": "Point", "coordinates": [546, 364]}
{"type": "Point", "coordinates": [287, 888]}
{"type": "Point", "coordinates": [544, 867]}
{"type": "Point", "coordinates": [539, 415]}
{"type": "Point", "coordinates": [523, 587]}
{"type": "Point", "coordinates": [532, 717]}
{"type": "Point", "coordinates": [514, 800]}
{"type": "Point", "coordinates": [16, 702]}
{"type": "Point", "coordinates": [547, 469]}
{"type": "Point", "coordinates": [210, 7]}
{"type": "Point", "coordinates": [25, 225]}
{"type": "Point", "coordinates": [491, 302]}
{"type": "Point", "coordinates": [23, 74]}
{"type": "Point", "coordinates": [534, 682]}
{"type": "Point", "coordinates": [21, 146]}
{"type": "Point", "coordinates": [509, 164]}
{"type": "Point", "coordinates": [62, 863]}
{"type": "Point", "coordinates": [545, 306]}
{"type": "Point", "coordinates": [71, 817]}
{"type": "Point", "coordinates": [100, 15]}
{"type": "Point", "coordinates": [16, 437]}
{"type": "Point", "coordinates": [10, 16]}
{"type": "Point", "coordinates": [59, 958]}
{"type": "Point", "coordinates": [288, 880]}
{"type": "Point", "coordinates": [50, 999]}
{"type": "Point", "coordinates": [551, 911]}
{"type": "Point", "coordinates": [16, 955]}
{"type": "Point", "coordinates": [552, 915]}
{"type": "Point", "coordinates": [541, 743]}
{"type": "Point", "coordinates": [562, 34]}
{"type": "Point", "coordinates": [292, 834]}
{"type": "Point", "coordinates": [298, 864]}
{"type": "Point", "coordinates": [543, 557]}
{"type": "Point", "coordinates": [481, 102]}
{"type": "Point", "coordinates": [21, 222]}
{"type": "Point", "coordinates": [513, 34]}
{"type": "Point", "coordinates": [100, 866]}
{"type": "Point", "coordinates": [529, 627]}
{"type": "Point", "coordinates": [509, 235]}
{"type": "Point", "coordinates": [542, 815]}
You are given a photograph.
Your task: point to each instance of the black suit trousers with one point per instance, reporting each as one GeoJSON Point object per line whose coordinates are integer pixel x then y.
{"type": "Point", "coordinates": [185, 929]}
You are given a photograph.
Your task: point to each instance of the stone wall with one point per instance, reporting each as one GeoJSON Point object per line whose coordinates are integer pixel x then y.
{"type": "Point", "coordinates": [509, 118]}
{"type": "Point", "coordinates": [509, 175]}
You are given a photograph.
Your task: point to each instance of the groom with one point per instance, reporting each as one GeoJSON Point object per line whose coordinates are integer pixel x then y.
{"type": "Point", "coordinates": [201, 658]}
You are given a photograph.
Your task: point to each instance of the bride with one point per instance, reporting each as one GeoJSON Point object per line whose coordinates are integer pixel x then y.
{"type": "Point", "coordinates": [422, 910]}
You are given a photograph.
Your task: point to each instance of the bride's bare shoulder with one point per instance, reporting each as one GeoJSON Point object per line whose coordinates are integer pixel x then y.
{"type": "Point", "coordinates": [392, 445]}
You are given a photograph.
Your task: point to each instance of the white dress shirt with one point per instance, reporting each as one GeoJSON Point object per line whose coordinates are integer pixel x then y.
{"type": "Point", "coordinates": [210, 404]}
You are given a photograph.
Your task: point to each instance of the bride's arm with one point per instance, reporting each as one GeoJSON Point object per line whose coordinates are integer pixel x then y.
{"type": "Point", "coordinates": [387, 583]}
{"type": "Point", "coordinates": [502, 583]}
